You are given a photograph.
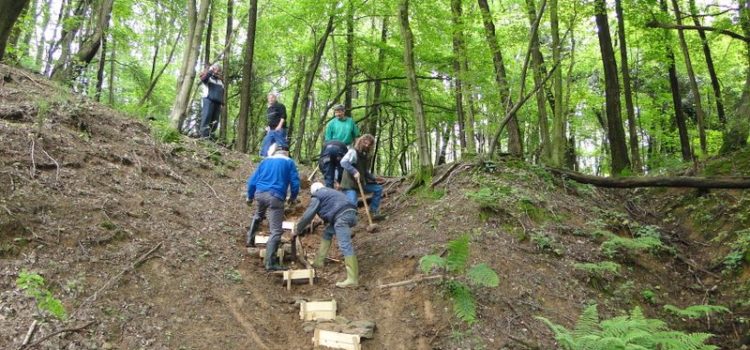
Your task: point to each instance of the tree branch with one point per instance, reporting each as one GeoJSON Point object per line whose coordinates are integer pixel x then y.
{"type": "Point", "coordinates": [656, 24]}
{"type": "Point", "coordinates": [655, 181]}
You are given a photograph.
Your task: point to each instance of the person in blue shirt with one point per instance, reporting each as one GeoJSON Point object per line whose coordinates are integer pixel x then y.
{"type": "Point", "coordinates": [268, 185]}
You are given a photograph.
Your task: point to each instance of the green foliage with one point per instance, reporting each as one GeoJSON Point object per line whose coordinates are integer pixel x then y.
{"type": "Point", "coordinates": [740, 253]}
{"type": "Point", "coordinates": [696, 311]}
{"type": "Point", "coordinates": [644, 243]}
{"type": "Point", "coordinates": [164, 132]}
{"type": "Point", "coordinates": [33, 284]}
{"type": "Point", "coordinates": [546, 243]}
{"type": "Point", "coordinates": [633, 331]}
{"type": "Point", "coordinates": [649, 296]}
{"type": "Point", "coordinates": [430, 194]}
{"type": "Point", "coordinates": [490, 198]}
{"type": "Point", "coordinates": [458, 285]}
{"type": "Point", "coordinates": [233, 275]}
{"type": "Point", "coordinates": [602, 269]}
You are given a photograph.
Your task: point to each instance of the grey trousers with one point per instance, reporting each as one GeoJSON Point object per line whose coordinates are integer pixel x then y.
{"type": "Point", "coordinates": [273, 208]}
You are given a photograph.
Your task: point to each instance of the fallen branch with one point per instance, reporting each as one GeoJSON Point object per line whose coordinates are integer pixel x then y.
{"type": "Point", "coordinates": [30, 78]}
{"type": "Point", "coordinates": [523, 342]}
{"type": "Point", "coordinates": [212, 190]}
{"type": "Point", "coordinates": [130, 267]}
{"type": "Point", "coordinates": [655, 181]}
{"type": "Point", "coordinates": [33, 162]}
{"type": "Point", "coordinates": [445, 175]}
{"type": "Point", "coordinates": [64, 330]}
{"type": "Point", "coordinates": [57, 166]}
{"type": "Point", "coordinates": [29, 334]}
{"type": "Point", "coordinates": [411, 281]}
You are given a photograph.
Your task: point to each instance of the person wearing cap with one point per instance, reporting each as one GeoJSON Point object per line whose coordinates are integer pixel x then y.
{"type": "Point", "coordinates": [356, 163]}
{"type": "Point", "coordinates": [276, 127]}
{"type": "Point", "coordinates": [213, 99]}
{"type": "Point", "coordinates": [269, 184]}
{"type": "Point", "coordinates": [340, 133]}
{"type": "Point", "coordinates": [335, 209]}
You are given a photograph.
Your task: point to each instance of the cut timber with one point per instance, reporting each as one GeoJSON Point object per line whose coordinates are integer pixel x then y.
{"type": "Point", "coordinates": [261, 240]}
{"type": "Point", "coordinates": [279, 253]}
{"type": "Point", "coordinates": [655, 181]}
{"type": "Point", "coordinates": [288, 225]}
{"type": "Point", "coordinates": [317, 310]}
{"type": "Point", "coordinates": [290, 275]}
{"type": "Point", "coordinates": [336, 340]}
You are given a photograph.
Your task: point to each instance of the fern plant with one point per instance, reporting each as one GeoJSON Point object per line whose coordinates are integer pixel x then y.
{"type": "Point", "coordinates": [33, 284]}
{"type": "Point", "coordinates": [633, 331]}
{"type": "Point", "coordinates": [460, 279]}
{"type": "Point", "coordinates": [696, 311]}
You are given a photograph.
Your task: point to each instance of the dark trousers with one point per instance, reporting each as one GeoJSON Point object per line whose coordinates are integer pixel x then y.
{"type": "Point", "coordinates": [209, 117]}
{"type": "Point", "coordinates": [273, 136]}
{"type": "Point", "coordinates": [330, 164]}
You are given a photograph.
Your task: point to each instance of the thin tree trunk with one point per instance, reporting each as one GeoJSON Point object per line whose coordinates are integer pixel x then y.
{"type": "Point", "coordinates": [247, 79]}
{"type": "Point", "coordinates": [444, 145]}
{"type": "Point", "coordinates": [155, 79]}
{"type": "Point", "coordinates": [349, 74]}
{"type": "Point", "coordinates": [209, 31]}
{"type": "Point", "coordinates": [676, 97]}
{"type": "Point", "coordinates": [710, 65]}
{"type": "Point", "coordinates": [42, 39]}
{"type": "Point", "coordinates": [309, 78]}
{"type": "Point", "coordinates": [471, 144]}
{"type": "Point", "coordinates": [635, 153]}
{"type": "Point", "coordinates": [297, 89]}
{"type": "Point", "coordinates": [425, 161]}
{"type": "Point", "coordinates": [111, 81]}
{"type": "Point", "coordinates": [69, 69]}
{"type": "Point", "coordinates": [699, 114]}
{"type": "Point", "coordinates": [458, 74]}
{"type": "Point", "coordinates": [52, 43]}
{"type": "Point", "coordinates": [515, 145]}
{"type": "Point", "coordinates": [100, 70]}
{"type": "Point", "coordinates": [537, 60]}
{"type": "Point", "coordinates": [378, 84]}
{"type": "Point", "coordinates": [615, 132]}
{"type": "Point", "coordinates": [559, 117]}
{"type": "Point", "coordinates": [183, 95]}
{"type": "Point", "coordinates": [227, 48]}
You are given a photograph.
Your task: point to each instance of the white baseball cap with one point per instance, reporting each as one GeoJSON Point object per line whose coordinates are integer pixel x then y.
{"type": "Point", "coordinates": [315, 187]}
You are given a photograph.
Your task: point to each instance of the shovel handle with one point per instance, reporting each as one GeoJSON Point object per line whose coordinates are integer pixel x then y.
{"type": "Point", "coordinates": [362, 193]}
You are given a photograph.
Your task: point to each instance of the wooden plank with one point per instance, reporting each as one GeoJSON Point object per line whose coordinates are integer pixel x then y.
{"type": "Point", "coordinates": [261, 240]}
{"type": "Point", "coordinates": [279, 254]}
{"type": "Point", "coordinates": [288, 225]}
{"type": "Point", "coordinates": [336, 340]}
{"type": "Point", "coordinates": [317, 310]}
{"type": "Point", "coordinates": [290, 275]}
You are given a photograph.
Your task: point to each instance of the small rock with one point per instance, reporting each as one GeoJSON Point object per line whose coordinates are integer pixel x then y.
{"type": "Point", "coordinates": [308, 327]}
{"type": "Point", "coordinates": [342, 320]}
{"type": "Point", "coordinates": [367, 324]}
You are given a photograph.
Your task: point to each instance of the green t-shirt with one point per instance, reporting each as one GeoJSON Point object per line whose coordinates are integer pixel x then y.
{"type": "Point", "coordinates": [342, 130]}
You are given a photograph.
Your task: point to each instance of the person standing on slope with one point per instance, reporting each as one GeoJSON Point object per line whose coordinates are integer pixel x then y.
{"type": "Point", "coordinates": [213, 99]}
{"type": "Point", "coordinates": [356, 163]}
{"type": "Point", "coordinates": [276, 127]}
{"type": "Point", "coordinates": [340, 133]}
{"type": "Point", "coordinates": [334, 208]}
{"type": "Point", "coordinates": [269, 184]}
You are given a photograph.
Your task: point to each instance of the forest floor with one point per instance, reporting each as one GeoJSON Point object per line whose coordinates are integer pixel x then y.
{"type": "Point", "coordinates": [86, 192]}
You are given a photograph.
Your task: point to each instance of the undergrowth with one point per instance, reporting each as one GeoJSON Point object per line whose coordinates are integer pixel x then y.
{"type": "Point", "coordinates": [33, 285]}
{"type": "Point", "coordinates": [459, 278]}
{"type": "Point", "coordinates": [633, 331]}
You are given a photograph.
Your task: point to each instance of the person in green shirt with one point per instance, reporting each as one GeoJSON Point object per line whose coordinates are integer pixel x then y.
{"type": "Point", "coordinates": [340, 133]}
{"type": "Point", "coordinates": [342, 128]}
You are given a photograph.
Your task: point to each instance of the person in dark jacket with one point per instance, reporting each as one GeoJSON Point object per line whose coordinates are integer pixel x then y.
{"type": "Point", "coordinates": [334, 208]}
{"type": "Point", "coordinates": [330, 162]}
{"type": "Point", "coordinates": [356, 163]}
{"type": "Point", "coordinates": [269, 184]}
{"type": "Point", "coordinates": [213, 99]}
{"type": "Point", "coordinates": [276, 127]}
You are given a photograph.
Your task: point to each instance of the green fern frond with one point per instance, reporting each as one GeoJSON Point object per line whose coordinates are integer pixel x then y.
{"type": "Point", "coordinates": [483, 275]}
{"type": "Point", "coordinates": [588, 322]}
{"type": "Point", "coordinates": [463, 302]}
{"type": "Point", "coordinates": [696, 311]}
{"type": "Point", "coordinates": [428, 262]}
{"type": "Point", "coordinates": [458, 253]}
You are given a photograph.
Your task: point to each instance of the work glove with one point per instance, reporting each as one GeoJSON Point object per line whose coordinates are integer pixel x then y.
{"type": "Point", "coordinates": [356, 176]}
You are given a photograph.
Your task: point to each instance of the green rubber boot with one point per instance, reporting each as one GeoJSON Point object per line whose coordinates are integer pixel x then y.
{"type": "Point", "coordinates": [320, 258]}
{"type": "Point", "coordinates": [352, 273]}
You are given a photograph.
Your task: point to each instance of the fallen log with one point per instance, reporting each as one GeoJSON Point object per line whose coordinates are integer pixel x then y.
{"type": "Point", "coordinates": [656, 181]}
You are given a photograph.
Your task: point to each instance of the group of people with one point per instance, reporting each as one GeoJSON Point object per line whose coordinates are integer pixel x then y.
{"type": "Point", "coordinates": [345, 162]}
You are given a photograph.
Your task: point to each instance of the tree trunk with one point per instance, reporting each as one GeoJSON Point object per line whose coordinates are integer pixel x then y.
{"type": "Point", "coordinates": [247, 79]}
{"type": "Point", "coordinates": [157, 76]}
{"type": "Point", "coordinates": [68, 69]}
{"type": "Point", "coordinates": [227, 49]}
{"type": "Point", "coordinates": [699, 114]}
{"type": "Point", "coordinates": [209, 31]}
{"type": "Point", "coordinates": [656, 181]}
{"type": "Point", "coordinates": [615, 132]}
{"type": "Point", "coordinates": [677, 98]}
{"type": "Point", "coordinates": [349, 74]}
{"type": "Point", "coordinates": [710, 65]}
{"type": "Point", "coordinates": [193, 49]}
{"type": "Point", "coordinates": [11, 11]}
{"type": "Point", "coordinates": [736, 137]}
{"type": "Point", "coordinates": [515, 144]}
{"type": "Point", "coordinates": [100, 70]}
{"type": "Point", "coordinates": [309, 78]}
{"type": "Point", "coordinates": [378, 84]}
{"type": "Point", "coordinates": [42, 40]}
{"type": "Point", "coordinates": [111, 80]}
{"type": "Point", "coordinates": [423, 142]}
{"type": "Point", "coordinates": [458, 74]}
{"type": "Point", "coordinates": [295, 100]}
{"type": "Point", "coordinates": [537, 61]}
{"type": "Point", "coordinates": [635, 153]}
{"type": "Point", "coordinates": [559, 117]}
{"type": "Point", "coordinates": [53, 44]}
{"type": "Point", "coordinates": [471, 144]}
